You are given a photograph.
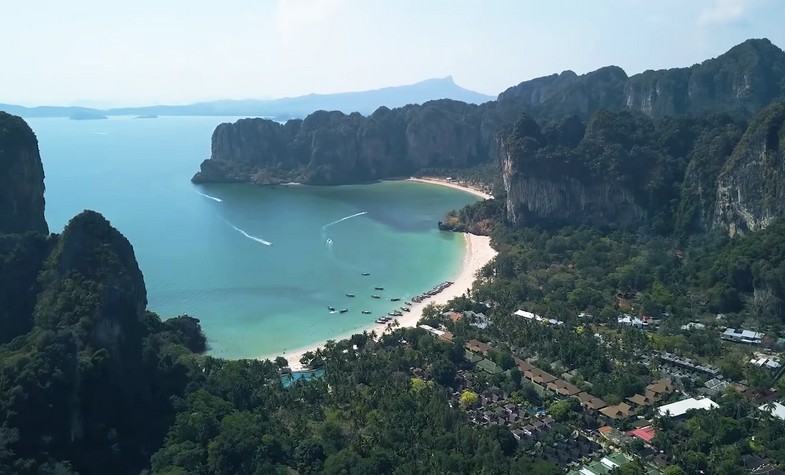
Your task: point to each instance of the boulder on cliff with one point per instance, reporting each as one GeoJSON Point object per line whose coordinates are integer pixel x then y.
{"type": "Point", "coordinates": [21, 178]}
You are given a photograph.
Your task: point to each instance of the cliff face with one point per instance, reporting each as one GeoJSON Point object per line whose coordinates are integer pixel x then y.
{"type": "Point", "coordinates": [548, 181]}
{"type": "Point", "coordinates": [82, 360]}
{"type": "Point", "coordinates": [751, 186]}
{"type": "Point", "coordinates": [334, 148]}
{"type": "Point", "coordinates": [21, 178]}
{"type": "Point", "coordinates": [741, 82]}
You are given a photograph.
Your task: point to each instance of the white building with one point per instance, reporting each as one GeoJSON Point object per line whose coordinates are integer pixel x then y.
{"type": "Point", "coordinates": [537, 318]}
{"type": "Point", "coordinates": [742, 336]}
{"type": "Point", "coordinates": [678, 409]}
{"type": "Point", "coordinates": [776, 409]}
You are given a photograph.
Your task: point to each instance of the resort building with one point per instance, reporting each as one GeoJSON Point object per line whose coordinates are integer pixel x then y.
{"type": "Point", "coordinates": [680, 408]}
{"type": "Point", "coordinates": [742, 336]}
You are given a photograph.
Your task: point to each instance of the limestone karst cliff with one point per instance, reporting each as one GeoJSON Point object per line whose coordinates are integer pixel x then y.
{"type": "Point", "coordinates": [680, 175]}
{"type": "Point", "coordinates": [334, 148]}
{"type": "Point", "coordinates": [21, 178]}
{"type": "Point", "coordinates": [85, 366]}
{"type": "Point", "coordinates": [751, 186]}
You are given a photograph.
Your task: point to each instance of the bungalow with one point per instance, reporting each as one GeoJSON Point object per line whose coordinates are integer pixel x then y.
{"type": "Point", "coordinates": [540, 377]}
{"type": "Point", "coordinates": [644, 400]}
{"type": "Point", "coordinates": [563, 388]}
{"type": "Point", "coordinates": [742, 336]}
{"type": "Point", "coordinates": [476, 346]}
{"type": "Point", "coordinates": [617, 412]}
{"type": "Point", "coordinates": [523, 365]}
{"type": "Point", "coordinates": [661, 387]}
{"type": "Point", "coordinates": [590, 402]}
{"type": "Point", "coordinates": [446, 336]}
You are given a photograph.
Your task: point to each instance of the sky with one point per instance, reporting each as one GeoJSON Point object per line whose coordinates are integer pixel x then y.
{"type": "Point", "coordinates": [106, 53]}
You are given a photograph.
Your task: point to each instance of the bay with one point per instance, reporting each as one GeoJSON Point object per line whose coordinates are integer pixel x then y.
{"type": "Point", "coordinates": [258, 266]}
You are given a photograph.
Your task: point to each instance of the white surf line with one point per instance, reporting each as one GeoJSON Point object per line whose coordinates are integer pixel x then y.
{"type": "Point", "coordinates": [208, 196]}
{"type": "Point", "coordinates": [344, 219]}
{"type": "Point", "coordinates": [253, 238]}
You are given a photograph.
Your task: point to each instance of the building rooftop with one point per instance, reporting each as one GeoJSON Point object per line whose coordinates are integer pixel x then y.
{"type": "Point", "coordinates": [776, 409]}
{"type": "Point", "coordinates": [680, 408]}
{"type": "Point", "coordinates": [646, 434]}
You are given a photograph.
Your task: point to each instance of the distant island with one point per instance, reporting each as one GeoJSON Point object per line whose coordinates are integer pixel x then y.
{"type": "Point", "coordinates": [146, 116]}
{"type": "Point", "coordinates": [364, 102]}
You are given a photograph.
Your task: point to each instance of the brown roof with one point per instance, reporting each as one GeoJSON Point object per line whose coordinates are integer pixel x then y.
{"type": "Point", "coordinates": [523, 365]}
{"type": "Point", "coordinates": [661, 387]}
{"type": "Point", "coordinates": [590, 402]}
{"type": "Point", "coordinates": [540, 376]}
{"type": "Point", "coordinates": [446, 336]}
{"type": "Point", "coordinates": [619, 411]}
{"type": "Point", "coordinates": [455, 316]}
{"type": "Point", "coordinates": [642, 400]}
{"type": "Point", "coordinates": [563, 387]}
{"type": "Point", "coordinates": [477, 346]}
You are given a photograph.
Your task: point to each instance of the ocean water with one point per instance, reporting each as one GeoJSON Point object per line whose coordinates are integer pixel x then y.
{"type": "Point", "coordinates": [258, 266]}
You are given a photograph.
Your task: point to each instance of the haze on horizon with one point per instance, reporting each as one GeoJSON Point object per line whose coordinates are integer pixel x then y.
{"type": "Point", "coordinates": [107, 54]}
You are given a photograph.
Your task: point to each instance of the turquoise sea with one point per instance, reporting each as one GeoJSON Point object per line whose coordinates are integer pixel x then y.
{"type": "Point", "coordinates": [204, 249]}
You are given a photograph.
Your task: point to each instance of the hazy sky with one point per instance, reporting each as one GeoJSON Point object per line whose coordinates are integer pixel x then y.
{"type": "Point", "coordinates": [105, 52]}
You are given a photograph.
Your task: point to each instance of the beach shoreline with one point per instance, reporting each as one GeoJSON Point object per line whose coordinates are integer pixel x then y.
{"type": "Point", "coordinates": [451, 184]}
{"type": "Point", "coordinates": [478, 253]}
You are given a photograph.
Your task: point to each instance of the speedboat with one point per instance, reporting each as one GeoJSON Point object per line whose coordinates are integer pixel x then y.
{"type": "Point", "coordinates": [350, 295]}
{"type": "Point", "coordinates": [366, 312]}
{"type": "Point", "coordinates": [344, 310]}
{"type": "Point", "coordinates": [332, 309]}
{"type": "Point", "coordinates": [374, 296]}
{"type": "Point", "coordinates": [379, 288]}
{"type": "Point", "coordinates": [394, 299]}
{"type": "Point", "coordinates": [366, 273]}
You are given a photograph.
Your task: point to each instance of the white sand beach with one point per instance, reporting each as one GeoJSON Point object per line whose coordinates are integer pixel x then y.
{"type": "Point", "coordinates": [452, 184]}
{"type": "Point", "coordinates": [478, 253]}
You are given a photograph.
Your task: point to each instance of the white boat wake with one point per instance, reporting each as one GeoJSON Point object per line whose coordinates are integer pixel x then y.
{"type": "Point", "coordinates": [344, 219]}
{"type": "Point", "coordinates": [253, 238]}
{"type": "Point", "coordinates": [208, 196]}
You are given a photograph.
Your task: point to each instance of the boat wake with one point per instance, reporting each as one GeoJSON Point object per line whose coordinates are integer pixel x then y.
{"type": "Point", "coordinates": [208, 196]}
{"type": "Point", "coordinates": [253, 238]}
{"type": "Point", "coordinates": [344, 219]}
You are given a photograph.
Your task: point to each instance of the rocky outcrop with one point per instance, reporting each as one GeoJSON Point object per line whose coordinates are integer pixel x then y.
{"type": "Point", "coordinates": [335, 148]}
{"type": "Point", "coordinates": [751, 186]}
{"type": "Point", "coordinates": [21, 178]}
{"type": "Point", "coordinates": [541, 191]}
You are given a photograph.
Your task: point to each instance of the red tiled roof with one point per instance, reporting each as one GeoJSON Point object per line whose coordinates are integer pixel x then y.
{"type": "Point", "coordinates": [646, 434]}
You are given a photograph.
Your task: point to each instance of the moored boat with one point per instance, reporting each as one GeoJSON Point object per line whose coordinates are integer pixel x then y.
{"type": "Point", "coordinates": [374, 296]}
{"type": "Point", "coordinates": [378, 288]}
{"type": "Point", "coordinates": [343, 310]}
{"type": "Point", "coordinates": [350, 295]}
{"type": "Point", "coordinates": [332, 309]}
{"type": "Point", "coordinates": [366, 312]}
